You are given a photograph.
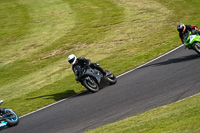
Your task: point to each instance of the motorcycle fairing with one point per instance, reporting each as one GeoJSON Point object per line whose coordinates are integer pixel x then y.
{"type": "Point", "coordinates": [3, 124]}
{"type": "Point", "coordinates": [190, 39]}
{"type": "Point", "coordinates": [102, 81]}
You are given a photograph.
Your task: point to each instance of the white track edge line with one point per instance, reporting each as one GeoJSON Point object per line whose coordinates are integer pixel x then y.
{"type": "Point", "coordinates": [150, 61]}
{"type": "Point", "coordinates": [117, 77]}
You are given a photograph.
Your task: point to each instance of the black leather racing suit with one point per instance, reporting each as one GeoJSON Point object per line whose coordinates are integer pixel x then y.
{"type": "Point", "coordinates": [83, 62]}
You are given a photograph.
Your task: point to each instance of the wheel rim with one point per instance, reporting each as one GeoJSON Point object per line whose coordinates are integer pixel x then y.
{"type": "Point", "coordinates": [111, 77]}
{"type": "Point", "coordinates": [91, 83]}
{"type": "Point", "coordinates": [197, 46]}
{"type": "Point", "coordinates": [13, 116]}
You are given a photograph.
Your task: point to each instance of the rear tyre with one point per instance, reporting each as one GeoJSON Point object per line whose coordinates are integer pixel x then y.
{"type": "Point", "coordinates": [111, 78]}
{"type": "Point", "coordinates": [12, 119]}
{"type": "Point", "coordinates": [196, 47]}
{"type": "Point", "coordinates": [90, 84]}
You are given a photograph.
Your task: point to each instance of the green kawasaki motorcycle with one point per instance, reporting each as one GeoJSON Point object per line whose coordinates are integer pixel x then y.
{"type": "Point", "coordinates": [192, 41]}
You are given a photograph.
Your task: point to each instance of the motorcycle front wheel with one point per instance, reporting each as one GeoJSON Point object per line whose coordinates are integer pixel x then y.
{"type": "Point", "coordinates": [196, 47]}
{"type": "Point", "coordinates": [90, 84]}
{"type": "Point", "coordinates": [12, 119]}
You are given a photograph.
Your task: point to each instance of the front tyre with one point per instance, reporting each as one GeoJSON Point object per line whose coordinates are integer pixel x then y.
{"type": "Point", "coordinates": [196, 47]}
{"type": "Point", "coordinates": [90, 84]}
{"type": "Point", "coordinates": [12, 119]}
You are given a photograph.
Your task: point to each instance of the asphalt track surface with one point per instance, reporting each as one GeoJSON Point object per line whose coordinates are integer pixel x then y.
{"type": "Point", "coordinates": [163, 81]}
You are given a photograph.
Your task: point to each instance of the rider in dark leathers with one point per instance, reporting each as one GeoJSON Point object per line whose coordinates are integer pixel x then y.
{"type": "Point", "coordinates": [1, 109]}
{"type": "Point", "coordinates": [78, 64]}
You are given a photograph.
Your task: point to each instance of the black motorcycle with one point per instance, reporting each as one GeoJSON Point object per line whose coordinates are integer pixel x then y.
{"type": "Point", "coordinates": [8, 117]}
{"type": "Point", "coordinates": [93, 80]}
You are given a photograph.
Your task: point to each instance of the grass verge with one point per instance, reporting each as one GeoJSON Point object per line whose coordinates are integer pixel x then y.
{"type": "Point", "coordinates": [179, 117]}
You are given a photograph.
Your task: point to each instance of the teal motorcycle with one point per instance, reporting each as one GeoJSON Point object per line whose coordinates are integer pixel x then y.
{"type": "Point", "coordinates": [7, 117]}
{"type": "Point", "coordinates": [192, 41]}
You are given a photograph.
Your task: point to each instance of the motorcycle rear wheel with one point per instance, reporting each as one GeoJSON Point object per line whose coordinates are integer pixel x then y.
{"type": "Point", "coordinates": [90, 84]}
{"type": "Point", "coordinates": [111, 78]}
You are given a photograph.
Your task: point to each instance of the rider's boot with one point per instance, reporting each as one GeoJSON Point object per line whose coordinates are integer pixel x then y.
{"type": "Point", "coordinates": [2, 110]}
{"type": "Point", "coordinates": [1, 102]}
{"type": "Point", "coordinates": [104, 73]}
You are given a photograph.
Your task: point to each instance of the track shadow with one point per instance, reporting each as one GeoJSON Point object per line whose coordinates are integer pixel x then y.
{"type": "Point", "coordinates": [175, 60]}
{"type": "Point", "coordinates": [56, 96]}
{"type": "Point", "coordinates": [63, 95]}
{"type": "Point", "coordinates": [83, 93]}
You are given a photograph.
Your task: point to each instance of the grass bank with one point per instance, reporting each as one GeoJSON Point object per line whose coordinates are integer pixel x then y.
{"type": "Point", "coordinates": [179, 117]}
{"type": "Point", "coordinates": [38, 35]}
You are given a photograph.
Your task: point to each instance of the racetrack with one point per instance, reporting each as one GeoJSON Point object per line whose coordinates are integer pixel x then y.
{"type": "Point", "coordinates": [163, 81]}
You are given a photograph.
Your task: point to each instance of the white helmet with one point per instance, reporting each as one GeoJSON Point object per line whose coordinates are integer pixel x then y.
{"type": "Point", "coordinates": [72, 59]}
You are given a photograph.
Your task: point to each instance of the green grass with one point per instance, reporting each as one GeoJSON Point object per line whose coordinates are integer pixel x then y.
{"type": "Point", "coordinates": [38, 35]}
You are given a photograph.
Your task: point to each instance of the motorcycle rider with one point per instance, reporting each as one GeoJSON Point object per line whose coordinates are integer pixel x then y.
{"type": "Point", "coordinates": [79, 63]}
{"type": "Point", "coordinates": [182, 29]}
{"type": "Point", "coordinates": [1, 109]}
